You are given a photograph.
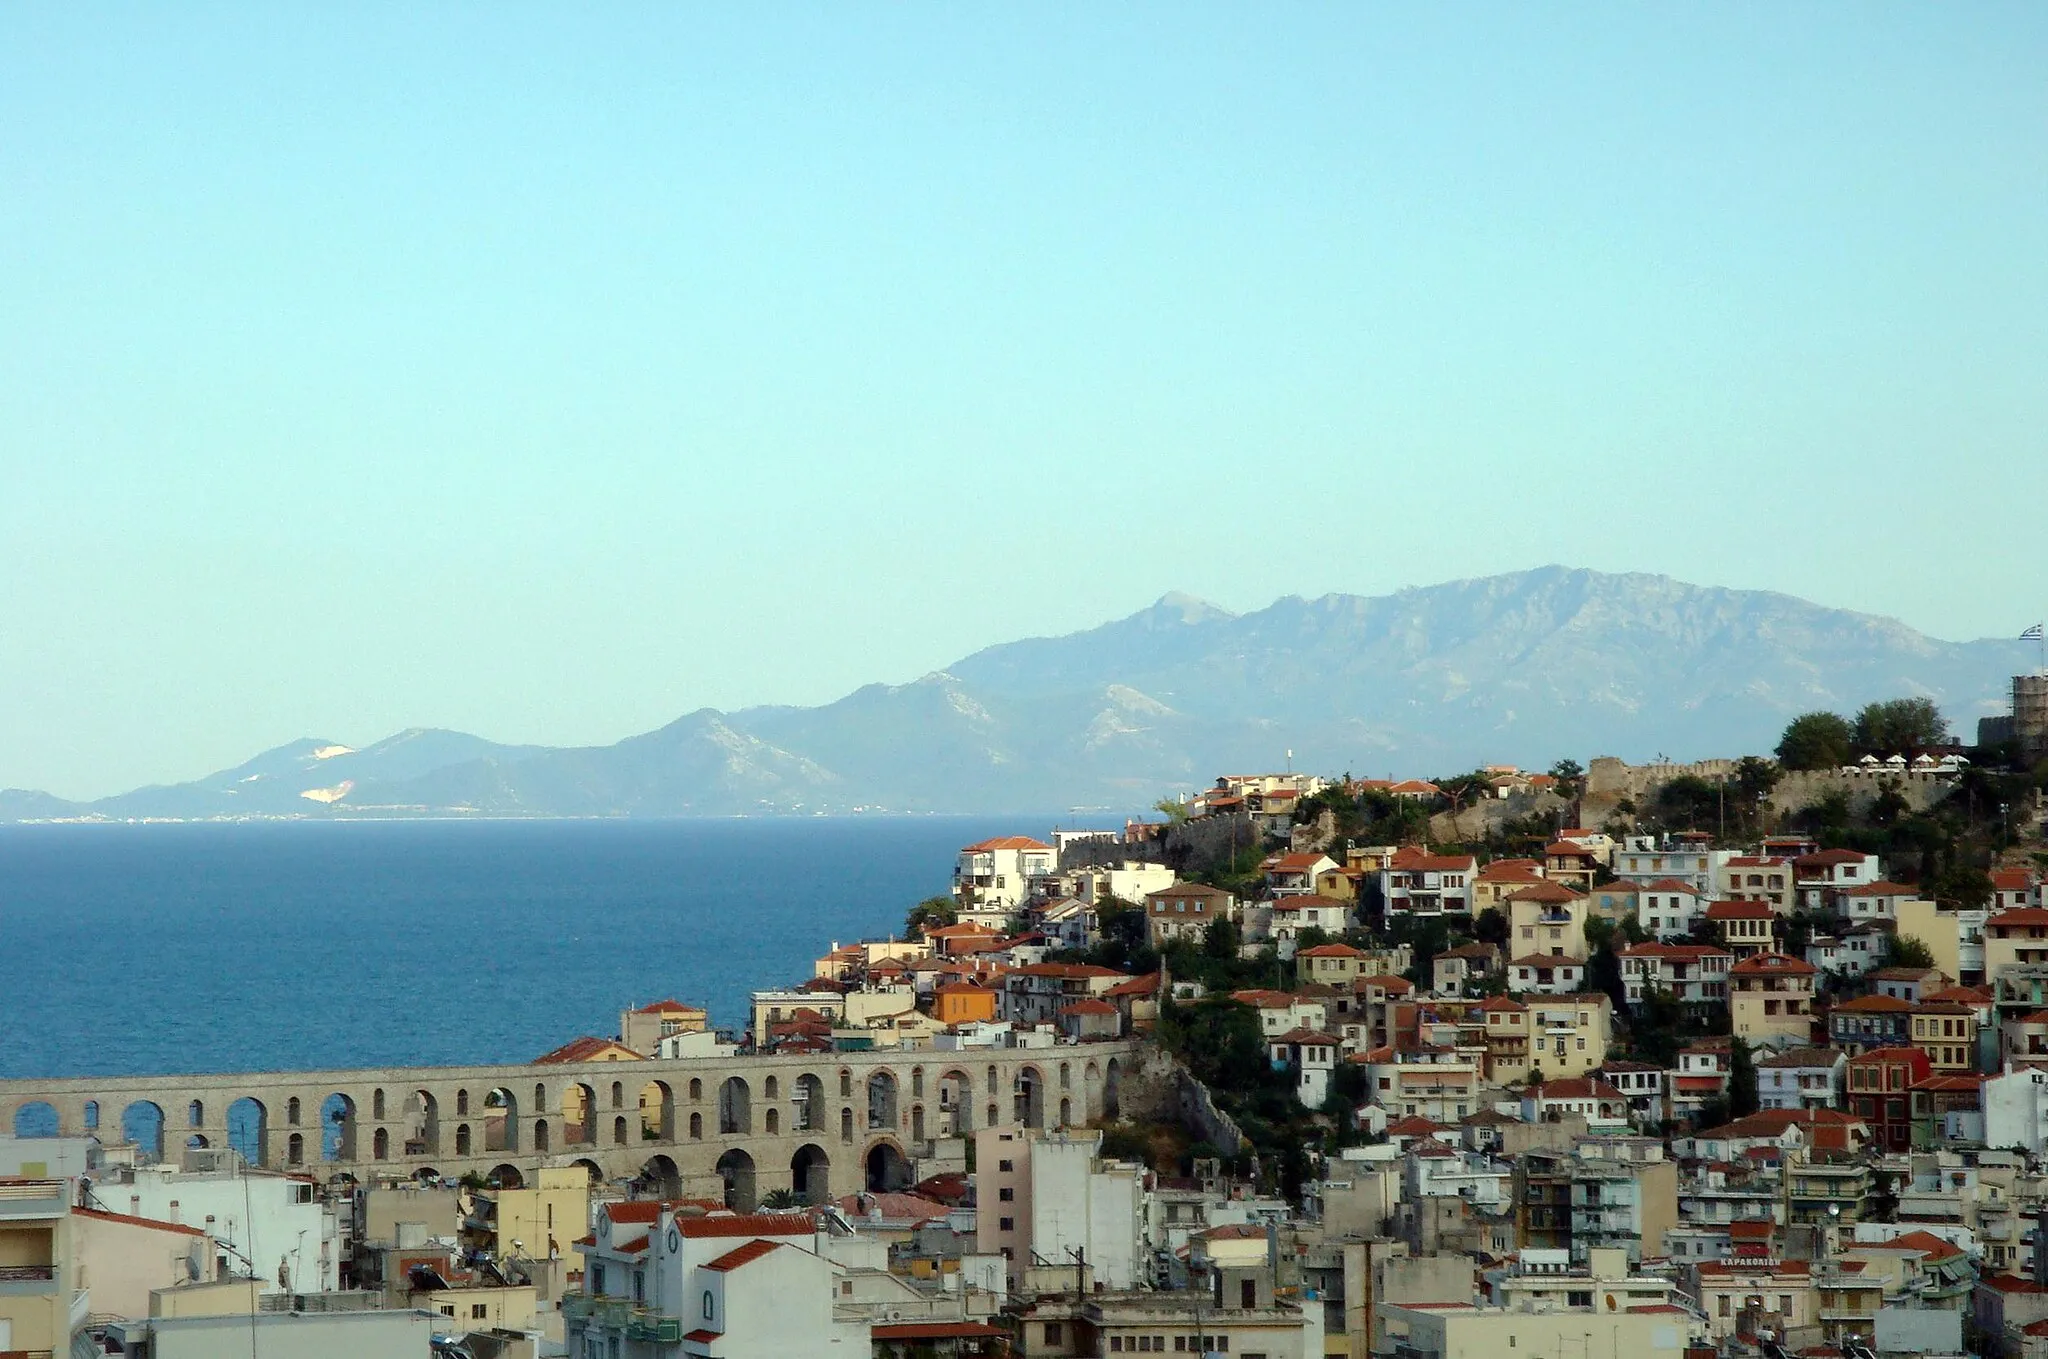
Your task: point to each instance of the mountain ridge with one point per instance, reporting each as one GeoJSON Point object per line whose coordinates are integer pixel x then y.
{"type": "Point", "coordinates": [1527, 667]}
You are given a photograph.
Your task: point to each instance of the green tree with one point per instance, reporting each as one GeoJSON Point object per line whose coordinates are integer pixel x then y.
{"type": "Point", "coordinates": [930, 914]}
{"type": "Point", "coordinates": [1900, 726]}
{"type": "Point", "coordinates": [1603, 973]}
{"type": "Point", "coordinates": [1173, 809]}
{"type": "Point", "coordinates": [1906, 951]}
{"type": "Point", "coordinates": [1570, 776]}
{"type": "Point", "coordinates": [1689, 801]}
{"type": "Point", "coordinates": [1220, 939]}
{"type": "Point", "coordinates": [1742, 1100]}
{"type": "Point", "coordinates": [1816, 741]}
{"type": "Point", "coordinates": [1964, 886]}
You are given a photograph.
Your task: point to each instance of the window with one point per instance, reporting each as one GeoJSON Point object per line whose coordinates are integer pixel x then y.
{"type": "Point", "coordinates": [707, 1304]}
{"type": "Point", "coordinates": [1006, 1194]}
{"type": "Point", "coordinates": [1005, 1167]}
{"type": "Point", "coordinates": [478, 1311]}
{"type": "Point", "coordinates": [1006, 1224]}
{"type": "Point", "coordinates": [1052, 1333]}
{"type": "Point", "coordinates": [448, 1311]}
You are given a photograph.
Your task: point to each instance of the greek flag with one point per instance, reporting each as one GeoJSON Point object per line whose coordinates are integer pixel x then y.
{"type": "Point", "coordinates": [2032, 634]}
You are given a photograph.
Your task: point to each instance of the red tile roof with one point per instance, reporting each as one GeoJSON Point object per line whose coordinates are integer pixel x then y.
{"type": "Point", "coordinates": [746, 1224]}
{"type": "Point", "coordinates": [152, 1223]}
{"type": "Point", "coordinates": [582, 1050]}
{"type": "Point", "coordinates": [1773, 965]}
{"type": "Point", "coordinates": [1005, 842]}
{"type": "Point", "coordinates": [934, 1330]}
{"type": "Point", "coordinates": [1547, 891]}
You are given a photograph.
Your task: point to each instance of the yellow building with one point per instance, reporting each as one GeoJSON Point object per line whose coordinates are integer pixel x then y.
{"type": "Point", "coordinates": [1946, 1031]}
{"type": "Point", "coordinates": [546, 1217]}
{"type": "Point", "coordinates": [1561, 1036]}
{"type": "Point", "coordinates": [643, 1029]}
{"type": "Point", "coordinates": [1549, 920]}
{"type": "Point", "coordinates": [1770, 999]}
{"type": "Point", "coordinates": [1329, 965]}
{"type": "Point", "coordinates": [1941, 931]}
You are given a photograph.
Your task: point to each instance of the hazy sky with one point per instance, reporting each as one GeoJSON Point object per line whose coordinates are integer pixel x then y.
{"type": "Point", "coordinates": [548, 372]}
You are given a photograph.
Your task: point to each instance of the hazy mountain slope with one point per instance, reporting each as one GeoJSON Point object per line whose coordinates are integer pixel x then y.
{"type": "Point", "coordinates": [1527, 667]}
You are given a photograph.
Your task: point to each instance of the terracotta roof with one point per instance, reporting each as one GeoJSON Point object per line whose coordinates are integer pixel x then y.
{"type": "Point", "coordinates": [1772, 964]}
{"type": "Point", "coordinates": [1399, 986]}
{"type": "Point", "coordinates": [1494, 1004]}
{"type": "Point", "coordinates": [1876, 1003]}
{"type": "Point", "coordinates": [1187, 889]}
{"type": "Point", "coordinates": [1005, 842]}
{"type": "Point", "coordinates": [894, 1206]}
{"type": "Point", "coordinates": [1740, 910]}
{"type": "Point", "coordinates": [934, 1330]}
{"type": "Point", "coordinates": [2011, 879]}
{"type": "Point", "coordinates": [1560, 849]}
{"type": "Point", "coordinates": [745, 1224]}
{"type": "Point", "coordinates": [669, 1007]}
{"type": "Point", "coordinates": [1136, 986]}
{"type": "Point", "coordinates": [1413, 1125]}
{"type": "Point", "coordinates": [152, 1223]}
{"type": "Point", "coordinates": [1672, 885]}
{"type": "Point", "coordinates": [1925, 1242]}
{"type": "Point", "coordinates": [700, 1336]}
{"type": "Point", "coordinates": [581, 1050]}
{"type": "Point", "coordinates": [1091, 1006]}
{"type": "Point", "coordinates": [1548, 960]}
{"type": "Point", "coordinates": [1828, 858]}
{"type": "Point", "coordinates": [636, 1211]}
{"type": "Point", "coordinates": [1299, 1036]}
{"type": "Point", "coordinates": [1331, 951]}
{"type": "Point", "coordinates": [2020, 915]}
{"type": "Point", "coordinates": [1547, 891]}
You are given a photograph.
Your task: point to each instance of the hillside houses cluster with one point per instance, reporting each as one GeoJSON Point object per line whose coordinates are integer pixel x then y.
{"type": "Point", "coordinates": [1621, 1097]}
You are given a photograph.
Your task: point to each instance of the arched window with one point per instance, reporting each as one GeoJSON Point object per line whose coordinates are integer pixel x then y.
{"type": "Point", "coordinates": [619, 1131]}
{"type": "Point", "coordinates": [618, 1095]}
{"type": "Point", "coordinates": [696, 1090]}
{"type": "Point", "coordinates": [917, 1082]}
{"type": "Point", "coordinates": [696, 1127]}
{"type": "Point", "coordinates": [461, 1103]}
{"type": "Point", "coordinates": [772, 1090]}
{"type": "Point", "coordinates": [773, 1121]}
{"type": "Point", "coordinates": [92, 1114]}
{"type": "Point", "coordinates": [295, 1149]}
{"type": "Point", "coordinates": [196, 1113]}
{"type": "Point", "coordinates": [540, 1095]}
{"type": "Point", "coordinates": [707, 1304]}
{"type": "Point", "coordinates": [845, 1083]}
{"type": "Point", "coordinates": [380, 1145]}
{"type": "Point", "coordinates": [992, 1087]}
{"type": "Point", "coordinates": [376, 1106]}
{"type": "Point", "coordinates": [846, 1125]}
{"type": "Point", "coordinates": [291, 1110]}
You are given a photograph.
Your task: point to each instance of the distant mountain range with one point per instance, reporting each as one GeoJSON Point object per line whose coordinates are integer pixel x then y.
{"type": "Point", "coordinates": [1526, 668]}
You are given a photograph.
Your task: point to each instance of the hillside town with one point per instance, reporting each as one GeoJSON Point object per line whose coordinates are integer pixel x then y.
{"type": "Point", "coordinates": [1742, 1058]}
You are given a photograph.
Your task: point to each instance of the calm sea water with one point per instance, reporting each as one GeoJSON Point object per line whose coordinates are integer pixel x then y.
{"type": "Point", "coordinates": [128, 950]}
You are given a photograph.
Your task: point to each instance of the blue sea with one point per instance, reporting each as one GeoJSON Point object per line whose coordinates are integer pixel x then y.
{"type": "Point", "coordinates": [155, 949]}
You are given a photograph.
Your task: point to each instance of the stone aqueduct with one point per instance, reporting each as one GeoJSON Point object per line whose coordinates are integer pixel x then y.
{"type": "Point", "coordinates": [736, 1128]}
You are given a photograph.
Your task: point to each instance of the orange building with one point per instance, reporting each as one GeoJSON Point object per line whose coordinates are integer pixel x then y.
{"type": "Point", "coordinates": [963, 1003]}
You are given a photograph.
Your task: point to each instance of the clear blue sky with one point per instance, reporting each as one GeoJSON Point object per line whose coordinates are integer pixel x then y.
{"type": "Point", "coordinates": [548, 372]}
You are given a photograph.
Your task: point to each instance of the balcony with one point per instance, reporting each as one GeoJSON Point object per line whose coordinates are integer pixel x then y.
{"type": "Point", "coordinates": [18, 1281]}
{"type": "Point", "coordinates": [32, 1198]}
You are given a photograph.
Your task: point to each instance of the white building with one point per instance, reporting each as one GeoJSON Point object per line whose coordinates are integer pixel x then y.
{"type": "Point", "coordinates": [1644, 859]}
{"type": "Point", "coordinates": [1079, 1202]}
{"type": "Point", "coordinates": [269, 1224]}
{"type": "Point", "coordinates": [1801, 1078]}
{"type": "Point", "coordinates": [2016, 1109]}
{"type": "Point", "coordinates": [659, 1285]}
{"type": "Point", "coordinates": [995, 875]}
{"type": "Point", "coordinates": [1041, 1194]}
{"type": "Point", "coordinates": [1668, 908]}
